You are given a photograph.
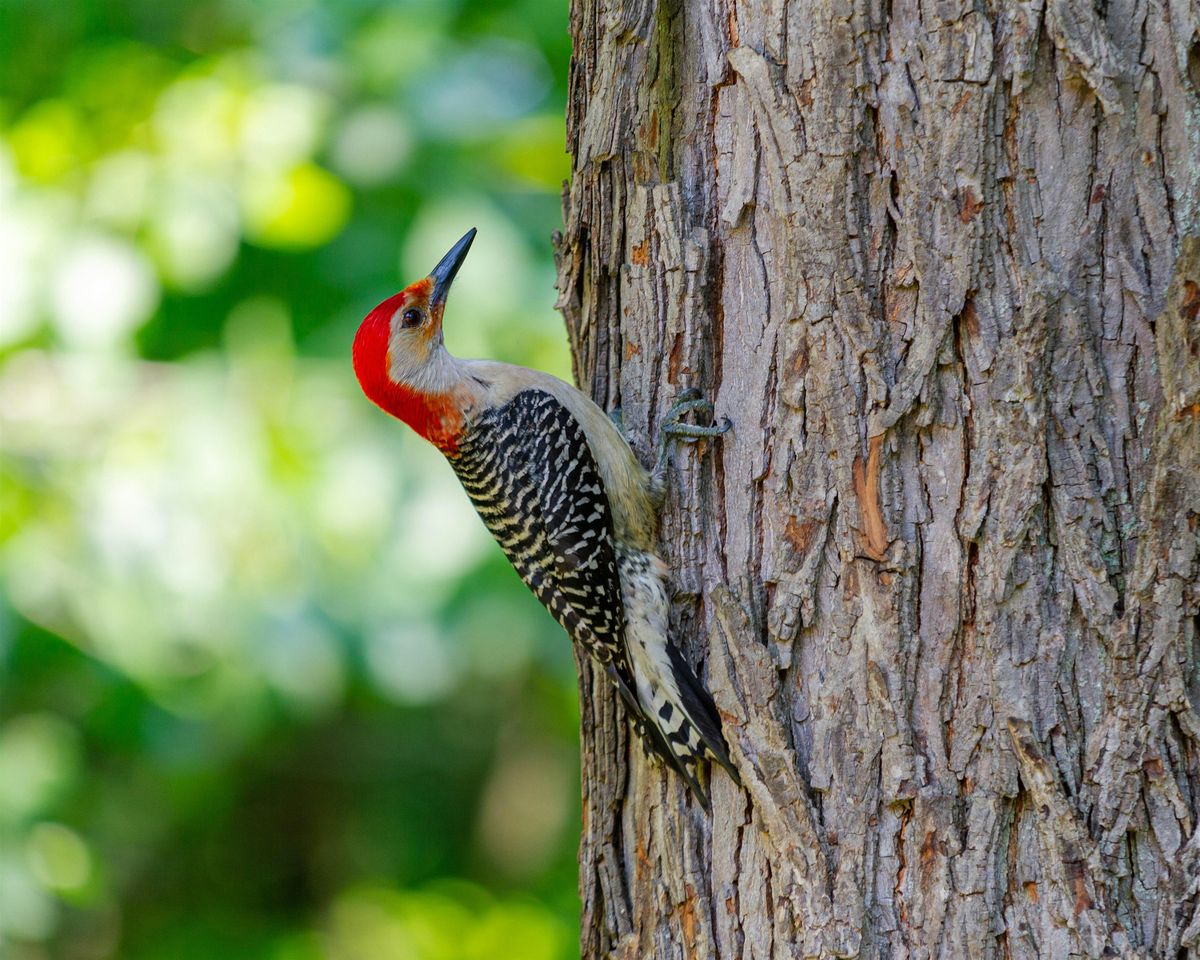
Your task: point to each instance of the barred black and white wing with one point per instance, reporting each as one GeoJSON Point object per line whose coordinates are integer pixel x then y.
{"type": "Point", "coordinates": [532, 477]}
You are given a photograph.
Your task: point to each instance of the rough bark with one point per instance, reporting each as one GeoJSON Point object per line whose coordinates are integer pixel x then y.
{"type": "Point", "coordinates": [940, 264]}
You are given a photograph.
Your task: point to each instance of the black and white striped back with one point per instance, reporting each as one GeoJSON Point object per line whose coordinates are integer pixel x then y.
{"type": "Point", "coordinates": [528, 469]}
{"type": "Point", "coordinates": [531, 475]}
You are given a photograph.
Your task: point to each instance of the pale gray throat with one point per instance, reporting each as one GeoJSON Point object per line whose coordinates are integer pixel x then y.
{"type": "Point", "coordinates": [438, 374]}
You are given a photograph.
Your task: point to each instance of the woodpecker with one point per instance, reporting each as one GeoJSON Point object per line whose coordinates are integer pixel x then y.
{"type": "Point", "coordinates": [558, 486]}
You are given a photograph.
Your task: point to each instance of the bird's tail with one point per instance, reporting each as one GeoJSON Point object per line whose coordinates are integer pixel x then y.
{"type": "Point", "coordinates": [683, 727]}
{"type": "Point", "coordinates": [672, 711]}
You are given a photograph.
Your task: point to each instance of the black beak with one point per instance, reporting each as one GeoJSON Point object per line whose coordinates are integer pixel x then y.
{"type": "Point", "coordinates": [443, 274]}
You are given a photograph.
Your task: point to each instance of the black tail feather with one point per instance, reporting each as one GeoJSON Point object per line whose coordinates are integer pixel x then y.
{"type": "Point", "coordinates": [701, 711]}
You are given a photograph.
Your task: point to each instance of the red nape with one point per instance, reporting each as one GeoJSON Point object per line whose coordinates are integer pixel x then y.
{"type": "Point", "coordinates": [436, 417]}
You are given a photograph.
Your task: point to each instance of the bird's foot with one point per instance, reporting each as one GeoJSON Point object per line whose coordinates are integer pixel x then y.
{"type": "Point", "coordinates": [675, 430]}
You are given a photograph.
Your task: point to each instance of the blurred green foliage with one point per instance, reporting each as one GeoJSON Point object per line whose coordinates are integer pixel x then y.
{"type": "Point", "coordinates": [267, 689]}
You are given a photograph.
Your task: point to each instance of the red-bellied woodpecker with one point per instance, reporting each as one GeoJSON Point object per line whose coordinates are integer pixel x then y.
{"type": "Point", "coordinates": [560, 489]}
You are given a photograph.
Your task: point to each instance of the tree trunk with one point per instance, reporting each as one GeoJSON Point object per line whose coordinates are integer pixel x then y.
{"type": "Point", "coordinates": [939, 264]}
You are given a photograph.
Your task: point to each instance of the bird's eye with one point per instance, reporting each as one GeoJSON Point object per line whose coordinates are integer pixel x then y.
{"type": "Point", "coordinates": [412, 318]}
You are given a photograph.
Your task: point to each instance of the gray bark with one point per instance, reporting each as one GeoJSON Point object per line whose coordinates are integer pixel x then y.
{"type": "Point", "coordinates": [940, 264]}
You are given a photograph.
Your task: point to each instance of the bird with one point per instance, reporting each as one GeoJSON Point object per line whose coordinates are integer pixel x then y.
{"type": "Point", "coordinates": [557, 484]}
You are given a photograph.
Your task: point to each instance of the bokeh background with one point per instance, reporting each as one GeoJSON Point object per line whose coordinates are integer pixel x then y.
{"type": "Point", "coordinates": [267, 689]}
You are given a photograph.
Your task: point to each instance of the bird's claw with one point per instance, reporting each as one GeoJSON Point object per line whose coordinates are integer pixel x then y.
{"type": "Point", "coordinates": [689, 432]}
{"type": "Point", "coordinates": [673, 427]}
{"type": "Point", "coordinates": [690, 401]}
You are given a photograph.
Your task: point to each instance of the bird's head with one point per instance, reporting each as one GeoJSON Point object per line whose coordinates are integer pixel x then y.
{"type": "Point", "coordinates": [399, 356]}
